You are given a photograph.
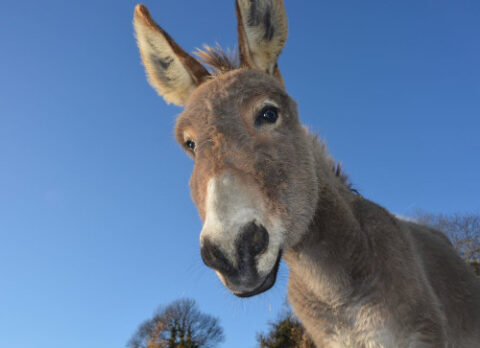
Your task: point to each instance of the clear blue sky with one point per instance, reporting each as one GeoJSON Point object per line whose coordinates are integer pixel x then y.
{"type": "Point", "coordinates": [96, 223]}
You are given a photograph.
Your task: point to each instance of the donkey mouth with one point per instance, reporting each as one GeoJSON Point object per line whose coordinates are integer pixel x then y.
{"type": "Point", "coordinates": [267, 282]}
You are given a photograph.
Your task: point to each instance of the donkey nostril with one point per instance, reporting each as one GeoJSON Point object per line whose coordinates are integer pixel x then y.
{"type": "Point", "coordinates": [256, 238]}
{"type": "Point", "coordinates": [213, 257]}
{"type": "Point", "coordinates": [259, 240]}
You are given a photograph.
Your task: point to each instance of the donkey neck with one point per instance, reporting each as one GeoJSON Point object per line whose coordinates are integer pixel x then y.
{"type": "Point", "coordinates": [332, 260]}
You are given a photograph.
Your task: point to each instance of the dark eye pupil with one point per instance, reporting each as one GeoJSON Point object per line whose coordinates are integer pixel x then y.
{"type": "Point", "coordinates": [190, 144]}
{"type": "Point", "coordinates": [268, 115]}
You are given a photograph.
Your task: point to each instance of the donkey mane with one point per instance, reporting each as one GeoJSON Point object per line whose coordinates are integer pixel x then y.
{"type": "Point", "coordinates": [218, 59]}
{"type": "Point", "coordinates": [320, 151]}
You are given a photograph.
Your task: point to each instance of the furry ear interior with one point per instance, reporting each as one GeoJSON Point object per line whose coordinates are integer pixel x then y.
{"type": "Point", "coordinates": [262, 33]}
{"type": "Point", "coordinates": [170, 70]}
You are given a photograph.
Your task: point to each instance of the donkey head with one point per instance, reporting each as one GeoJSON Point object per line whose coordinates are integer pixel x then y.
{"type": "Point", "coordinates": [254, 180]}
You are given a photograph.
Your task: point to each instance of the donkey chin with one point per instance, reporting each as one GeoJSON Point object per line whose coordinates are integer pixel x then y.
{"type": "Point", "coordinates": [238, 240]}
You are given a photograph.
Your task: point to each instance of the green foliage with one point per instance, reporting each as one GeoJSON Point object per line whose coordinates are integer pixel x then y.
{"type": "Point", "coordinates": [285, 332]}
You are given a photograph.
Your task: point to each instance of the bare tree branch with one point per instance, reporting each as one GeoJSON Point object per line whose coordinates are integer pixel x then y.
{"type": "Point", "coordinates": [463, 230]}
{"type": "Point", "coordinates": [178, 325]}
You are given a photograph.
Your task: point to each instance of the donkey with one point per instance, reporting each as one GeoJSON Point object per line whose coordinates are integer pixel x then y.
{"type": "Point", "coordinates": [266, 189]}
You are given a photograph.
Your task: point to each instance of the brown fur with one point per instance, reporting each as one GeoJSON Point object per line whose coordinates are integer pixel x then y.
{"type": "Point", "coordinates": [359, 277]}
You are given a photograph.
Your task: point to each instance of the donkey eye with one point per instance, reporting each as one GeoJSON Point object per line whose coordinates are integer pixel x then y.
{"type": "Point", "coordinates": [190, 144]}
{"type": "Point", "coordinates": [267, 115]}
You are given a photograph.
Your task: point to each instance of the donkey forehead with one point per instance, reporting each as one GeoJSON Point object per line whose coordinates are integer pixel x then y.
{"type": "Point", "coordinates": [229, 92]}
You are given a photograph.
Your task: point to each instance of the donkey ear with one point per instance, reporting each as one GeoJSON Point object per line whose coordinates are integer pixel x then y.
{"type": "Point", "coordinates": [262, 33]}
{"type": "Point", "coordinates": [170, 70]}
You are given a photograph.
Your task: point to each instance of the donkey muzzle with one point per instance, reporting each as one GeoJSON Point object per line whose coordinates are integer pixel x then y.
{"type": "Point", "coordinates": [241, 275]}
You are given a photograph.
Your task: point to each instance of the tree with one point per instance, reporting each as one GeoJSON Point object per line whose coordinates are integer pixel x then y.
{"type": "Point", "coordinates": [285, 332]}
{"type": "Point", "coordinates": [178, 325]}
{"type": "Point", "coordinates": [463, 230]}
